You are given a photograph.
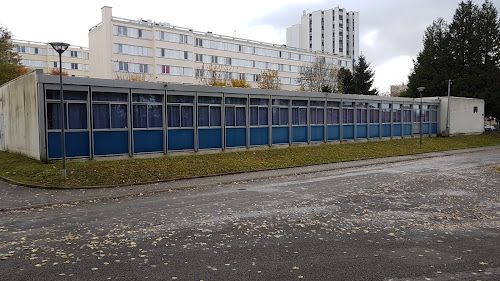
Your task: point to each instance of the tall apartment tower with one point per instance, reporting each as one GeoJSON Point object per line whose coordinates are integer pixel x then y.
{"type": "Point", "coordinates": [334, 31]}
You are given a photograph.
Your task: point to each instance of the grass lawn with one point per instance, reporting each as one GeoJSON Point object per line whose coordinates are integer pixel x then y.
{"type": "Point", "coordinates": [91, 173]}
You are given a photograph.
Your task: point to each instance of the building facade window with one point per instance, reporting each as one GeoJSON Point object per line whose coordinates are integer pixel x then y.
{"type": "Point", "coordinates": [180, 111]}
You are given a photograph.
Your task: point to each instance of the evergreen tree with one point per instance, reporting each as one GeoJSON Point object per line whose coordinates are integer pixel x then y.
{"type": "Point", "coordinates": [345, 82]}
{"type": "Point", "coordinates": [465, 51]}
{"type": "Point", "coordinates": [363, 78]}
{"type": "Point", "coordinates": [9, 60]}
{"type": "Point", "coordinates": [431, 62]}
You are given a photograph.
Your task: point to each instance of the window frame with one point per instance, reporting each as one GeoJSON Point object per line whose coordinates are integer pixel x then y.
{"type": "Point", "coordinates": [148, 104]}
{"type": "Point", "coordinates": [181, 105]}
{"type": "Point", "coordinates": [110, 104]}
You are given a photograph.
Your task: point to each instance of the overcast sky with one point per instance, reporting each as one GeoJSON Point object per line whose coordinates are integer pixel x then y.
{"type": "Point", "coordinates": [391, 30]}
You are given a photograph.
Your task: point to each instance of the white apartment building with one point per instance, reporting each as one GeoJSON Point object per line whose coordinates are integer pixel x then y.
{"type": "Point", "coordinates": [333, 31]}
{"type": "Point", "coordinates": [37, 55]}
{"type": "Point", "coordinates": [160, 52]}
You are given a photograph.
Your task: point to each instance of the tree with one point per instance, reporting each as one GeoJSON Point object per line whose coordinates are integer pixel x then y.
{"type": "Point", "coordinates": [240, 83]}
{"type": "Point", "coordinates": [214, 75]}
{"type": "Point", "coordinates": [9, 60]}
{"type": "Point", "coordinates": [466, 51]}
{"type": "Point", "coordinates": [363, 77]}
{"type": "Point", "coordinates": [269, 80]}
{"type": "Point", "coordinates": [319, 77]}
{"type": "Point", "coordinates": [345, 81]}
{"type": "Point", "coordinates": [56, 71]}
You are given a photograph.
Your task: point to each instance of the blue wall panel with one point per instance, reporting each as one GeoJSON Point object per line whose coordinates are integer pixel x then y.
{"type": "Point", "coordinates": [374, 131]}
{"type": "Point", "coordinates": [259, 136]}
{"type": "Point", "coordinates": [77, 144]}
{"type": "Point", "coordinates": [434, 128]}
{"type": "Point", "coordinates": [110, 142]}
{"type": "Point", "coordinates": [425, 128]}
{"type": "Point", "coordinates": [407, 129]}
{"type": "Point", "coordinates": [361, 131]}
{"type": "Point", "coordinates": [386, 130]}
{"type": "Point", "coordinates": [317, 133]}
{"type": "Point", "coordinates": [148, 141]}
{"type": "Point", "coordinates": [299, 134]}
{"type": "Point", "coordinates": [209, 138]}
{"type": "Point", "coordinates": [333, 132]}
{"type": "Point", "coordinates": [280, 134]}
{"type": "Point", "coordinates": [396, 127]}
{"type": "Point", "coordinates": [236, 137]}
{"type": "Point", "coordinates": [348, 132]}
{"type": "Point", "coordinates": [182, 139]}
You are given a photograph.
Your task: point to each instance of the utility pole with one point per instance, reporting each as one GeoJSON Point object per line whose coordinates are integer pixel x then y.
{"type": "Point", "coordinates": [448, 110]}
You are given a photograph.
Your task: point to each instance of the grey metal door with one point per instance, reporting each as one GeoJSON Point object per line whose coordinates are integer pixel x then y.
{"type": "Point", "coordinates": [2, 135]}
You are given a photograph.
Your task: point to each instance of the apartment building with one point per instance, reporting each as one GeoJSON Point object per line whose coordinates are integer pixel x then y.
{"type": "Point", "coordinates": [334, 31]}
{"type": "Point", "coordinates": [37, 55]}
{"type": "Point", "coordinates": [160, 52]}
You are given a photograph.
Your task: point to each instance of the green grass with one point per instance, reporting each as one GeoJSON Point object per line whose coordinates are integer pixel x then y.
{"type": "Point", "coordinates": [92, 173]}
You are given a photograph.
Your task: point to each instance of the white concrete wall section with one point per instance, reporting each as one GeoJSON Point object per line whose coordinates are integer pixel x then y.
{"type": "Point", "coordinates": [19, 107]}
{"type": "Point", "coordinates": [466, 115]}
{"type": "Point", "coordinates": [101, 47]}
{"type": "Point", "coordinates": [293, 34]}
{"type": "Point", "coordinates": [316, 31]}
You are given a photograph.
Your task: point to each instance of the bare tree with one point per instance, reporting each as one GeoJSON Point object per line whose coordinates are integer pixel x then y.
{"type": "Point", "coordinates": [269, 80]}
{"type": "Point", "coordinates": [318, 77]}
{"type": "Point", "coordinates": [214, 75]}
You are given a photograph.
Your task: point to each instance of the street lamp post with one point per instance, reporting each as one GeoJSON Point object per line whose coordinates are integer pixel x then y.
{"type": "Point", "coordinates": [60, 48]}
{"type": "Point", "coordinates": [420, 90]}
{"type": "Point", "coordinates": [448, 110]}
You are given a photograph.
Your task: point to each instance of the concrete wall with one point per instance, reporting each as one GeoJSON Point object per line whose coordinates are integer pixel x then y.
{"type": "Point", "coordinates": [19, 107]}
{"type": "Point", "coordinates": [463, 118]}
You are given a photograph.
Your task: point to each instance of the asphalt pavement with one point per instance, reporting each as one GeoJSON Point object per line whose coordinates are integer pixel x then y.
{"type": "Point", "coordinates": [424, 217]}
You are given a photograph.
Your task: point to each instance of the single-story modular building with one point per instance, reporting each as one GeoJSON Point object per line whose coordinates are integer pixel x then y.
{"type": "Point", "coordinates": [116, 117]}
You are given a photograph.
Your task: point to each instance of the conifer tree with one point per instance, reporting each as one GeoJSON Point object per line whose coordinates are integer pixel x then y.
{"type": "Point", "coordinates": [363, 78]}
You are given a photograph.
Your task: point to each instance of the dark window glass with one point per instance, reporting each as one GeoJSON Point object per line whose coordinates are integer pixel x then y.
{"type": "Point", "coordinates": [281, 102]}
{"type": "Point", "coordinates": [118, 116]}
{"type": "Point", "coordinates": [215, 116]}
{"type": "Point", "coordinates": [97, 96]}
{"type": "Point", "coordinates": [299, 103]}
{"type": "Point", "coordinates": [53, 116]}
{"type": "Point", "coordinates": [210, 100]}
{"type": "Point", "coordinates": [180, 99]}
{"type": "Point", "coordinates": [240, 116]}
{"type": "Point", "coordinates": [173, 112]}
{"type": "Point", "coordinates": [230, 116]}
{"type": "Point", "coordinates": [263, 116]}
{"type": "Point", "coordinates": [283, 116]}
{"type": "Point", "coordinates": [276, 116]}
{"type": "Point", "coordinates": [203, 116]}
{"type": "Point", "coordinates": [101, 116]}
{"type": "Point", "coordinates": [240, 101]}
{"type": "Point", "coordinates": [259, 102]}
{"type": "Point", "coordinates": [254, 116]}
{"type": "Point", "coordinates": [155, 115]}
{"type": "Point", "coordinates": [77, 116]}
{"type": "Point", "coordinates": [187, 116]}
{"type": "Point", "coordinates": [147, 98]}
{"type": "Point", "coordinates": [140, 116]}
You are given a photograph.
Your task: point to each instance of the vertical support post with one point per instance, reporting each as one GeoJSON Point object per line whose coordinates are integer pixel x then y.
{"type": "Point", "coordinates": [448, 110]}
{"type": "Point", "coordinates": [63, 121]}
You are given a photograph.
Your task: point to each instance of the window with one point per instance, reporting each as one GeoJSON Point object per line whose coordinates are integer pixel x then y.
{"type": "Point", "coordinates": [209, 111]}
{"type": "Point", "coordinates": [299, 112]}
{"type": "Point", "coordinates": [132, 50]}
{"type": "Point", "coordinates": [386, 113]}
{"type": "Point", "coordinates": [317, 112]}
{"type": "Point", "coordinates": [75, 109]}
{"type": "Point", "coordinates": [332, 113]}
{"type": "Point", "coordinates": [236, 112]}
{"type": "Point", "coordinates": [180, 111]}
{"type": "Point", "coordinates": [361, 113]}
{"type": "Point", "coordinates": [147, 111]}
{"type": "Point", "coordinates": [396, 113]}
{"type": "Point", "coordinates": [259, 112]}
{"type": "Point", "coordinates": [475, 109]}
{"type": "Point", "coordinates": [374, 113]}
{"type": "Point", "coordinates": [416, 113]}
{"type": "Point", "coordinates": [348, 113]}
{"type": "Point", "coordinates": [109, 110]}
{"type": "Point", "coordinates": [406, 113]}
{"type": "Point", "coordinates": [280, 112]}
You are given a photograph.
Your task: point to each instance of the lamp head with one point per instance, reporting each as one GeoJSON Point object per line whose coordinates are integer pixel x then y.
{"type": "Point", "coordinates": [421, 89]}
{"type": "Point", "coordinates": [60, 47]}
